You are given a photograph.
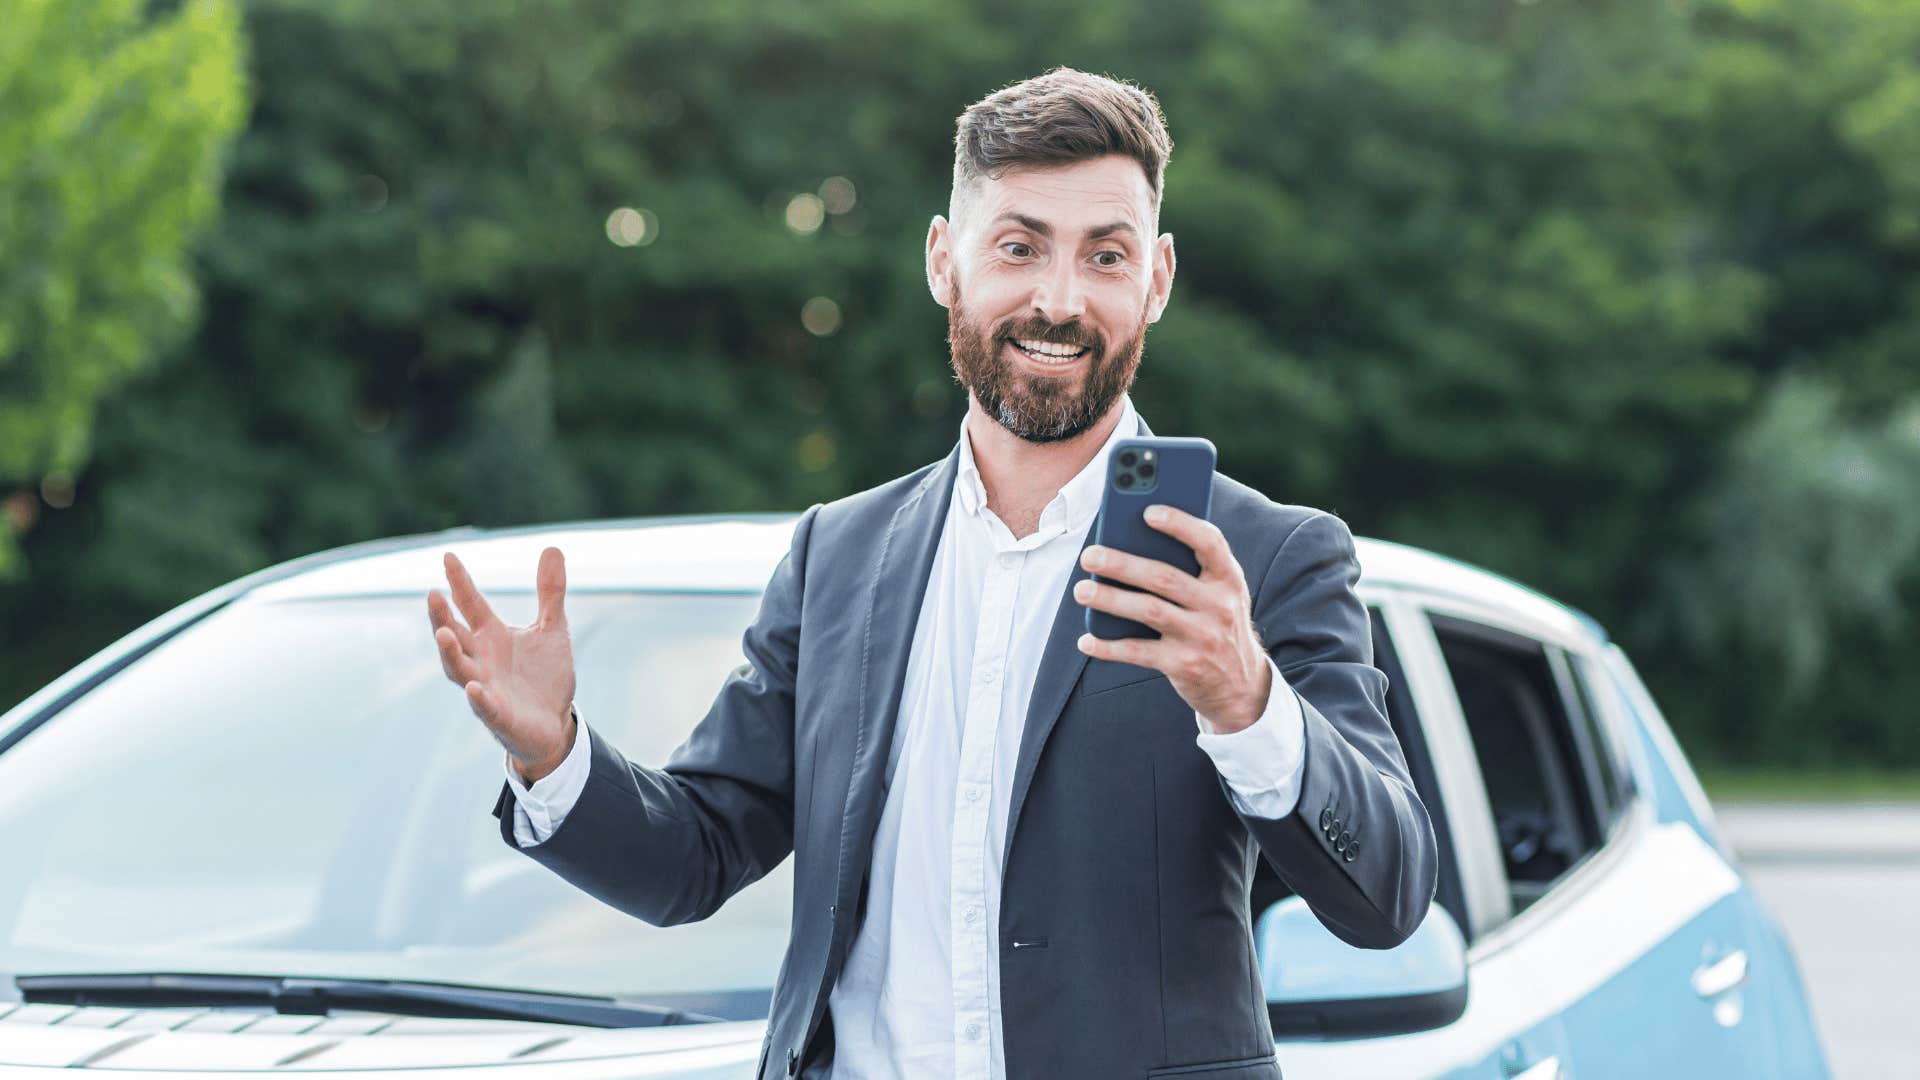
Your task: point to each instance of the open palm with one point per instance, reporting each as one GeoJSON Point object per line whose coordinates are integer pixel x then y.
{"type": "Point", "coordinates": [519, 680]}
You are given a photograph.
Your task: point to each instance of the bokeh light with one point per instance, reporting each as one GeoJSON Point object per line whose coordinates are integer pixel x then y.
{"type": "Point", "coordinates": [20, 511]}
{"type": "Point", "coordinates": [369, 192]}
{"type": "Point", "coordinates": [837, 193]}
{"type": "Point", "coordinates": [805, 212]}
{"type": "Point", "coordinates": [630, 227]}
{"type": "Point", "coordinates": [821, 316]}
{"type": "Point", "coordinates": [817, 450]}
{"type": "Point", "coordinates": [57, 489]}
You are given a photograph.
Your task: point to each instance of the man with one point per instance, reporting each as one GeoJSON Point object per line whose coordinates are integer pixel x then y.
{"type": "Point", "coordinates": [1020, 851]}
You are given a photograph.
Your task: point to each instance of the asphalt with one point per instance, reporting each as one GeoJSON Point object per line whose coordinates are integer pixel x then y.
{"type": "Point", "coordinates": [1843, 879]}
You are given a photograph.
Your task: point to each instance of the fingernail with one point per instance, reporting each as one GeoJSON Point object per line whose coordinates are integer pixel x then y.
{"type": "Point", "coordinates": [1156, 513]}
{"type": "Point", "coordinates": [1083, 589]}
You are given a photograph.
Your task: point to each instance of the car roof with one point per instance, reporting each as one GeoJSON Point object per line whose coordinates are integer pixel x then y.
{"type": "Point", "coordinates": [736, 553]}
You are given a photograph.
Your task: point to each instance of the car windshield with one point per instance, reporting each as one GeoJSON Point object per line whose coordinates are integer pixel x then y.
{"type": "Point", "coordinates": [293, 787]}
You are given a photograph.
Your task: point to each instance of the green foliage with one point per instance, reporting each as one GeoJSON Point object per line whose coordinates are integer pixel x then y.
{"type": "Point", "coordinates": [1813, 520]}
{"type": "Point", "coordinates": [1596, 295]}
{"type": "Point", "coordinates": [110, 156]}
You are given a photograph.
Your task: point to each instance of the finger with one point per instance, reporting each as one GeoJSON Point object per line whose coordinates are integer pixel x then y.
{"type": "Point", "coordinates": [1150, 574]}
{"type": "Point", "coordinates": [472, 604]}
{"type": "Point", "coordinates": [551, 585]}
{"type": "Point", "coordinates": [440, 613]}
{"type": "Point", "coordinates": [1209, 544]}
{"type": "Point", "coordinates": [459, 666]}
{"type": "Point", "coordinates": [1140, 607]}
{"type": "Point", "coordinates": [1138, 651]}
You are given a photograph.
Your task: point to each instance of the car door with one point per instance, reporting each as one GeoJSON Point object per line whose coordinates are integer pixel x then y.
{"type": "Point", "coordinates": [1760, 1000]}
{"type": "Point", "coordinates": [1630, 927]}
{"type": "Point", "coordinates": [1501, 1036]}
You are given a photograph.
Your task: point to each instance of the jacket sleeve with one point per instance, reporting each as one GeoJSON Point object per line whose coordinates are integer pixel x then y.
{"type": "Point", "coordinates": [1358, 846]}
{"type": "Point", "coordinates": [672, 844]}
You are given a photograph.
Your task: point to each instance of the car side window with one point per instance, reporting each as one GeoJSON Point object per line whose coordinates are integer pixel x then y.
{"type": "Point", "coordinates": [1539, 784]}
{"type": "Point", "coordinates": [1611, 780]}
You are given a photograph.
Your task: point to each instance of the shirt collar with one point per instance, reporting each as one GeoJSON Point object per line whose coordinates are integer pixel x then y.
{"type": "Point", "coordinates": [1078, 499]}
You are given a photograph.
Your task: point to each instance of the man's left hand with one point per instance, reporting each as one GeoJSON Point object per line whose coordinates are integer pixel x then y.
{"type": "Point", "coordinates": [1208, 647]}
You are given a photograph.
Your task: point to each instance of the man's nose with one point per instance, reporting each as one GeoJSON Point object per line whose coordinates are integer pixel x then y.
{"type": "Point", "coordinates": [1059, 296]}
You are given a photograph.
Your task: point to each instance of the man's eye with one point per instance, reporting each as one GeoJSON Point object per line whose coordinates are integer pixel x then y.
{"type": "Point", "coordinates": [1117, 258]}
{"type": "Point", "coordinates": [1017, 249]}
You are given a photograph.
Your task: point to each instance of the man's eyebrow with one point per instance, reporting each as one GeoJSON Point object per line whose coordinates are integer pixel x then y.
{"type": "Point", "coordinates": [1041, 228]}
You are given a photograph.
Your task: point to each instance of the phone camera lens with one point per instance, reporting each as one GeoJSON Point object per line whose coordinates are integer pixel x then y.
{"type": "Point", "coordinates": [1127, 459]}
{"type": "Point", "coordinates": [1146, 469]}
{"type": "Point", "coordinates": [1124, 480]}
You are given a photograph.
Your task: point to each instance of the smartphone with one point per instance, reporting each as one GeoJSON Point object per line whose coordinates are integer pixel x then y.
{"type": "Point", "coordinates": [1141, 471]}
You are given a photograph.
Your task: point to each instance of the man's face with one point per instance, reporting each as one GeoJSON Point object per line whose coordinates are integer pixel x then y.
{"type": "Point", "coordinates": [1050, 277]}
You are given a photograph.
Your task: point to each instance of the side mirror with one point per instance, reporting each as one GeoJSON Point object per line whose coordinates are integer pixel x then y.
{"type": "Point", "coordinates": [1318, 985]}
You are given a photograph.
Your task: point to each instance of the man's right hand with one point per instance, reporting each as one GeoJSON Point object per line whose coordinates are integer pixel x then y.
{"type": "Point", "coordinates": [519, 680]}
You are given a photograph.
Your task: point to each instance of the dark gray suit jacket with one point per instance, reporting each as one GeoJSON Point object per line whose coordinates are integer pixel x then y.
{"type": "Point", "coordinates": [1125, 945]}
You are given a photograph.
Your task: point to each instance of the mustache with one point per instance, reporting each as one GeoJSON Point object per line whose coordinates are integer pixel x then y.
{"type": "Point", "coordinates": [1071, 334]}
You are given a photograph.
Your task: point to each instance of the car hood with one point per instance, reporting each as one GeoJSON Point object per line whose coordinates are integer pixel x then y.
{"type": "Point", "coordinates": [239, 1043]}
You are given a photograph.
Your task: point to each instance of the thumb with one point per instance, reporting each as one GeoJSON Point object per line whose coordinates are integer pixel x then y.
{"type": "Point", "coordinates": [551, 585]}
{"type": "Point", "coordinates": [484, 704]}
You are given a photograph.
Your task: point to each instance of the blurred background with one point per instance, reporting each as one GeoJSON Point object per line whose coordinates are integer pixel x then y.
{"type": "Point", "coordinates": [1616, 298]}
{"type": "Point", "coordinates": [1620, 298]}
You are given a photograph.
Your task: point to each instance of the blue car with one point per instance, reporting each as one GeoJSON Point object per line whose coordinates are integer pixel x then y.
{"type": "Point", "coordinates": [254, 836]}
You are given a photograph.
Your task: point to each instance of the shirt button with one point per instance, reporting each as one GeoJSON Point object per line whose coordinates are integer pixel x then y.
{"type": "Point", "coordinates": [970, 914]}
{"type": "Point", "coordinates": [989, 675]}
{"type": "Point", "coordinates": [973, 1031]}
{"type": "Point", "coordinates": [1007, 560]}
{"type": "Point", "coordinates": [973, 793]}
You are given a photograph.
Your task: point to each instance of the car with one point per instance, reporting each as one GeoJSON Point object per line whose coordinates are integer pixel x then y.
{"type": "Point", "coordinates": [254, 836]}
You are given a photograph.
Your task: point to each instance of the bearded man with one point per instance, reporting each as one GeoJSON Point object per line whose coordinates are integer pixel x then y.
{"type": "Point", "coordinates": [1020, 851]}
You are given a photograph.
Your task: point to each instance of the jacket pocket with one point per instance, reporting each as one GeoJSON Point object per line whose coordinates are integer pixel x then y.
{"type": "Point", "coordinates": [1264, 1067]}
{"type": "Point", "coordinates": [1104, 675]}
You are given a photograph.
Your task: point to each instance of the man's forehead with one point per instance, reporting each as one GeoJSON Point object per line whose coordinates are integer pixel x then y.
{"type": "Point", "coordinates": [1070, 199]}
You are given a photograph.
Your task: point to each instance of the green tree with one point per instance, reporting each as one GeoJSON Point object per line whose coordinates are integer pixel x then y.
{"type": "Point", "coordinates": [1555, 288]}
{"type": "Point", "coordinates": [1798, 553]}
{"type": "Point", "coordinates": [110, 162]}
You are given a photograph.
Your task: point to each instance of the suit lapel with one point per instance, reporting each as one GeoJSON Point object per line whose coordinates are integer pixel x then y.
{"type": "Point", "coordinates": [1061, 663]}
{"type": "Point", "coordinates": [895, 592]}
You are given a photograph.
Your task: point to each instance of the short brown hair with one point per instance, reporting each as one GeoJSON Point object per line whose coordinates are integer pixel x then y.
{"type": "Point", "coordinates": [1059, 118]}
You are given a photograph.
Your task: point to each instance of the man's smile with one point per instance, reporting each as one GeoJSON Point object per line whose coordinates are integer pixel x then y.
{"type": "Point", "coordinates": [1048, 355]}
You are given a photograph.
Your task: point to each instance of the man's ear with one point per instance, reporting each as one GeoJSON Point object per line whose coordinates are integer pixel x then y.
{"type": "Point", "coordinates": [1160, 289]}
{"type": "Point", "coordinates": [940, 261]}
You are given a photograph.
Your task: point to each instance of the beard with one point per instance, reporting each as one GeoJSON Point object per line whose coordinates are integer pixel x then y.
{"type": "Point", "coordinates": [1040, 408]}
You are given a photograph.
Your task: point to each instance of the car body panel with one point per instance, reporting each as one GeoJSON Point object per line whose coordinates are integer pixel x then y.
{"type": "Point", "coordinates": [1554, 991]}
{"type": "Point", "coordinates": [1776, 1000]}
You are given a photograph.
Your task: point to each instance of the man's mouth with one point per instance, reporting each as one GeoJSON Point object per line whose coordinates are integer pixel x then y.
{"type": "Point", "coordinates": [1047, 352]}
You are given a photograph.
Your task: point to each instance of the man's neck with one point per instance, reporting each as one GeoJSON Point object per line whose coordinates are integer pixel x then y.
{"type": "Point", "coordinates": [1022, 477]}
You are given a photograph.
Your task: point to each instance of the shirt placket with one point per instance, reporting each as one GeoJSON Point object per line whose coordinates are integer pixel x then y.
{"type": "Point", "coordinates": [972, 925]}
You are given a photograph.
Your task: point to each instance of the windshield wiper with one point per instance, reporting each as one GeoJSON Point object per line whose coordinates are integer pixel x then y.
{"type": "Point", "coordinates": [322, 996]}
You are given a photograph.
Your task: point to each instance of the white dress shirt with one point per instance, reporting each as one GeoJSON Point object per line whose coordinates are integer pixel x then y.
{"type": "Point", "coordinates": [919, 998]}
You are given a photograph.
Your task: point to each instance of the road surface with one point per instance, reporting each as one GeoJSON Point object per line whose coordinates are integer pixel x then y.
{"type": "Point", "coordinates": [1844, 880]}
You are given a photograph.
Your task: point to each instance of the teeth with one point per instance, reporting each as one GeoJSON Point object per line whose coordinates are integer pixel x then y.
{"type": "Point", "coordinates": [1042, 348]}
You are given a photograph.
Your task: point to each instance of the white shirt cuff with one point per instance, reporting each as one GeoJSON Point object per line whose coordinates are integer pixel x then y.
{"type": "Point", "coordinates": [539, 810]}
{"type": "Point", "coordinates": [1262, 762]}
